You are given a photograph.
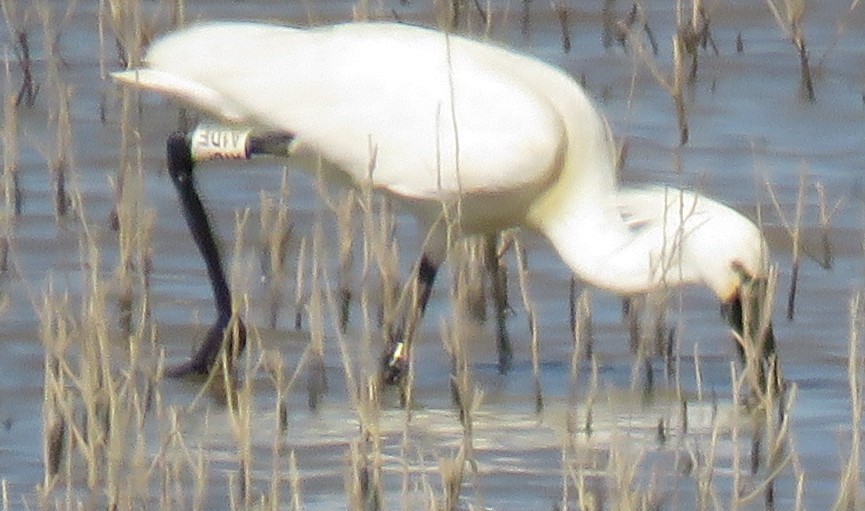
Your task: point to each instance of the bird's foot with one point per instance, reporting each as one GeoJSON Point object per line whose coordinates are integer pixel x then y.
{"type": "Point", "coordinates": [190, 368]}
{"type": "Point", "coordinates": [394, 362]}
{"type": "Point", "coordinates": [208, 355]}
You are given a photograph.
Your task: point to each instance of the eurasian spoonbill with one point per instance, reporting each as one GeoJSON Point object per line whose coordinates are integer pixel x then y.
{"type": "Point", "coordinates": [439, 121]}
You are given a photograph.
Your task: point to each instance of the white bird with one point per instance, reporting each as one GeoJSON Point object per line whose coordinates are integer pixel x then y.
{"type": "Point", "coordinates": [435, 120]}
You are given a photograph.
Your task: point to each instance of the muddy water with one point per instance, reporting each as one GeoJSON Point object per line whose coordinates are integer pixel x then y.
{"type": "Point", "coordinates": [750, 132]}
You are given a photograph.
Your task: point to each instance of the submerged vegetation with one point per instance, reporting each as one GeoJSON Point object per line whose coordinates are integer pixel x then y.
{"type": "Point", "coordinates": [96, 265]}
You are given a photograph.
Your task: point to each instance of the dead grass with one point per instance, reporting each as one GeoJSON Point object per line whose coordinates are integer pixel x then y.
{"type": "Point", "coordinates": [790, 20]}
{"type": "Point", "coordinates": [113, 437]}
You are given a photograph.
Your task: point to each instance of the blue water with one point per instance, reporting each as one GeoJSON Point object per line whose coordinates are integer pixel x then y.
{"type": "Point", "coordinates": [750, 130]}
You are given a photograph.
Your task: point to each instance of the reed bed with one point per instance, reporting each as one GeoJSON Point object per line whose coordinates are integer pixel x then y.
{"type": "Point", "coordinates": [303, 421]}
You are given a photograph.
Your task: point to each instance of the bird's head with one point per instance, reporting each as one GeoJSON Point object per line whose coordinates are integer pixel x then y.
{"type": "Point", "coordinates": [703, 240]}
{"type": "Point", "coordinates": [734, 262]}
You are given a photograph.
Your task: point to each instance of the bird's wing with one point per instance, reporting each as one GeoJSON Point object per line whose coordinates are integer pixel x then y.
{"type": "Point", "coordinates": [662, 206]}
{"type": "Point", "coordinates": [422, 114]}
{"type": "Point", "coordinates": [641, 207]}
{"type": "Point", "coordinates": [187, 91]}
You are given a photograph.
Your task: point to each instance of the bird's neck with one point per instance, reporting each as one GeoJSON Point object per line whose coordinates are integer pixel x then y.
{"type": "Point", "coordinates": [592, 238]}
{"type": "Point", "coordinates": [580, 215]}
{"type": "Point", "coordinates": [601, 249]}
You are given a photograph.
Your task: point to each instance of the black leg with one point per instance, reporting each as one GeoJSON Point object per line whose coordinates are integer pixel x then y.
{"type": "Point", "coordinates": [396, 353]}
{"type": "Point", "coordinates": [181, 166]}
{"type": "Point", "coordinates": [500, 299]}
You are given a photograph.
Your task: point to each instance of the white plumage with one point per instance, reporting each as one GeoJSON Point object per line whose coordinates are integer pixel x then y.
{"type": "Point", "coordinates": [433, 119]}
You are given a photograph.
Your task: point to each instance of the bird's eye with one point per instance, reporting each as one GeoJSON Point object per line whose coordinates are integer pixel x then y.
{"type": "Point", "coordinates": [745, 276]}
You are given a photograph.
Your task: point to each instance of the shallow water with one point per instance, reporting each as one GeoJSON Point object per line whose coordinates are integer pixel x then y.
{"type": "Point", "coordinates": [749, 131]}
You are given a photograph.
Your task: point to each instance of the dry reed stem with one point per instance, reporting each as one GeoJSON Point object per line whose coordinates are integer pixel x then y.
{"type": "Point", "coordinates": [632, 311]}
{"type": "Point", "coordinates": [799, 474]}
{"type": "Point", "coordinates": [296, 489]}
{"type": "Point", "coordinates": [794, 228]}
{"type": "Point", "coordinates": [62, 160]}
{"type": "Point", "coordinates": [11, 188]}
{"type": "Point", "coordinates": [531, 317]}
{"type": "Point", "coordinates": [826, 216]}
{"type": "Point", "coordinates": [364, 490]}
{"type": "Point", "coordinates": [778, 209]}
{"type": "Point", "coordinates": [705, 465]}
{"type": "Point", "coordinates": [679, 89]}
{"type": "Point", "coordinates": [776, 435]}
{"type": "Point", "coordinates": [581, 350]}
{"type": "Point", "coordinates": [587, 425]}
{"type": "Point", "coordinates": [698, 372]}
{"type": "Point", "coordinates": [526, 19]}
{"type": "Point", "coordinates": [274, 364]}
{"type": "Point", "coordinates": [849, 491]}
{"type": "Point", "coordinates": [93, 411]}
{"type": "Point", "coordinates": [468, 400]}
{"type": "Point", "coordinates": [469, 278]}
{"type": "Point", "coordinates": [368, 365]}
{"type": "Point", "coordinates": [316, 383]}
{"type": "Point", "coordinates": [18, 26]}
{"type": "Point", "coordinates": [572, 304]}
{"type": "Point", "coordinates": [299, 295]}
{"type": "Point", "coordinates": [135, 228]}
{"type": "Point", "coordinates": [344, 213]}
{"type": "Point", "coordinates": [52, 31]}
{"type": "Point", "coordinates": [234, 394]}
{"type": "Point", "coordinates": [275, 234]}
{"type": "Point", "coordinates": [585, 329]}
{"type": "Point", "coordinates": [564, 456]}
{"type": "Point", "coordinates": [624, 31]}
{"type": "Point", "coordinates": [133, 29]}
{"type": "Point", "coordinates": [562, 11]}
{"type": "Point", "coordinates": [757, 306]}
{"type": "Point", "coordinates": [360, 495]}
{"type": "Point", "coordinates": [132, 32]}
{"type": "Point", "coordinates": [240, 418]}
{"type": "Point", "coordinates": [456, 15]}
{"type": "Point", "coordinates": [364, 480]}
{"type": "Point", "coordinates": [839, 33]}
{"type": "Point", "coordinates": [571, 451]}
{"type": "Point", "coordinates": [797, 243]}
{"type": "Point", "coordinates": [381, 252]}
{"type": "Point", "coordinates": [452, 472]}
{"type": "Point", "coordinates": [695, 34]}
{"type": "Point", "coordinates": [675, 85]}
{"type": "Point", "coordinates": [621, 476]}
{"type": "Point", "coordinates": [354, 375]}
{"type": "Point", "coordinates": [12, 194]}
{"type": "Point", "coordinates": [647, 344]}
{"type": "Point", "coordinates": [133, 221]}
{"type": "Point", "coordinates": [790, 24]}
{"type": "Point", "coordinates": [53, 332]}
{"type": "Point", "coordinates": [608, 23]}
